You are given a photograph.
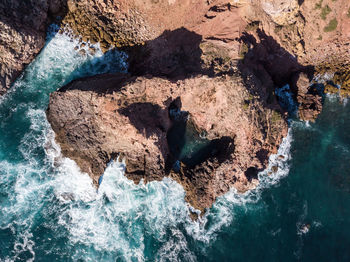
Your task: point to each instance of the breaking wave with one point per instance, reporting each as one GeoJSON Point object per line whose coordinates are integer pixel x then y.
{"type": "Point", "coordinates": [50, 209]}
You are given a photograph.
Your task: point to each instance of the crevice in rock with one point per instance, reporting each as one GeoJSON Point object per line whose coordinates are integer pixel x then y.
{"type": "Point", "coordinates": [188, 145]}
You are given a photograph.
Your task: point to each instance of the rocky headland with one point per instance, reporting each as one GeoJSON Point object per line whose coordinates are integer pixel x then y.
{"type": "Point", "coordinates": [198, 103]}
{"type": "Point", "coordinates": [206, 133]}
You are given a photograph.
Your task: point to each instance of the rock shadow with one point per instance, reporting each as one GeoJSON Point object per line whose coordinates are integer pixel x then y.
{"type": "Point", "coordinates": [185, 142]}
{"type": "Point", "coordinates": [174, 55]}
{"type": "Point", "coordinates": [147, 118]}
{"type": "Point", "coordinates": [114, 84]}
{"type": "Point", "coordinates": [31, 16]}
{"type": "Point", "coordinates": [270, 65]}
{"type": "Point", "coordinates": [188, 145]}
{"type": "Point", "coordinates": [22, 23]}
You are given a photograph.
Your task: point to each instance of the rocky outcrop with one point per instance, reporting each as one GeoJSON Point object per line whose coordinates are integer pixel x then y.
{"type": "Point", "coordinates": [207, 133]}
{"type": "Point", "coordinates": [308, 30]}
{"type": "Point", "coordinates": [338, 81]}
{"type": "Point", "coordinates": [22, 34]}
{"type": "Point", "coordinates": [309, 98]}
{"type": "Point", "coordinates": [199, 104]}
{"type": "Point", "coordinates": [300, 35]}
{"type": "Point", "coordinates": [119, 23]}
{"type": "Point", "coordinates": [314, 32]}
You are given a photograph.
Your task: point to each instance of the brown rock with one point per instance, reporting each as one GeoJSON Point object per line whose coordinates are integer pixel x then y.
{"type": "Point", "coordinates": [110, 115]}
{"type": "Point", "coordinates": [299, 27]}
{"type": "Point", "coordinates": [274, 169]}
{"type": "Point", "coordinates": [92, 50]}
{"type": "Point", "coordinates": [310, 106]}
{"type": "Point", "coordinates": [309, 99]}
{"type": "Point", "coordinates": [130, 23]}
{"type": "Point", "coordinates": [22, 34]}
{"type": "Point", "coordinates": [302, 83]}
{"type": "Point", "coordinates": [331, 89]}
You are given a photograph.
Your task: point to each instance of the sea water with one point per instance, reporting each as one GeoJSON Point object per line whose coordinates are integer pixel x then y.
{"type": "Point", "coordinates": [50, 211]}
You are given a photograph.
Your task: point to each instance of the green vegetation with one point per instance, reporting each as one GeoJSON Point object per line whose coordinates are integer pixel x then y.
{"type": "Point", "coordinates": [276, 116]}
{"type": "Point", "coordinates": [278, 28]}
{"type": "Point", "coordinates": [349, 12]}
{"type": "Point", "coordinates": [245, 106]}
{"type": "Point", "coordinates": [319, 5]}
{"type": "Point", "coordinates": [252, 26]}
{"type": "Point", "coordinates": [319, 38]}
{"type": "Point", "coordinates": [243, 50]}
{"type": "Point", "coordinates": [332, 25]}
{"type": "Point", "coordinates": [325, 11]}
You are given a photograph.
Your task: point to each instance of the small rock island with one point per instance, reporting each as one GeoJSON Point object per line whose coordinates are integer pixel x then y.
{"type": "Point", "coordinates": [199, 102]}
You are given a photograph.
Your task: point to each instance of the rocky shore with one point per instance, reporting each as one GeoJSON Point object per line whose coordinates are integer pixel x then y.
{"type": "Point", "coordinates": [198, 103]}
{"type": "Point", "coordinates": [151, 122]}
{"type": "Point", "coordinates": [23, 26]}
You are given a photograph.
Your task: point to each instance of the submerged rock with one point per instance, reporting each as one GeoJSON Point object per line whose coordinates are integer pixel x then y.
{"type": "Point", "coordinates": [196, 130]}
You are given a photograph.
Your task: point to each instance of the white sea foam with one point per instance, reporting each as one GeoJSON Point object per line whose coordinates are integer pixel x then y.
{"type": "Point", "coordinates": [323, 78]}
{"type": "Point", "coordinates": [222, 213]}
{"type": "Point", "coordinates": [29, 183]}
{"type": "Point", "coordinates": [121, 219]}
{"type": "Point", "coordinates": [120, 215]}
{"type": "Point", "coordinates": [62, 60]}
{"type": "Point", "coordinates": [118, 218]}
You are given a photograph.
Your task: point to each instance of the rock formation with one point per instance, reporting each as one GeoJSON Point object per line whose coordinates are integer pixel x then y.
{"type": "Point", "coordinates": [199, 103]}
{"type": "Point", "coordinates": [300, 35]}
{"type": "Point", "coordinates": [202, 77]}
{"type": "Point", "coordinates": [221, 134]}
{"type": "Point", "coordinates": [124, 23]}
{"type": "Point", "coordinates": [308, 98]}
{"type": "Point", "coordinates": [23, 27]}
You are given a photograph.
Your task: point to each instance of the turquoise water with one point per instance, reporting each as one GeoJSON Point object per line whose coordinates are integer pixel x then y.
{"type": "Point", "coordinates": [49, 210]}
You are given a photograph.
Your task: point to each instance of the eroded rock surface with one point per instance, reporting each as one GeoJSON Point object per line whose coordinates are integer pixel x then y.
{"type": "Point", "coordinates": [200, 71]}
{"type": "Point", "coordinates": [309, 98]}
{"type": "Point", "coordinates": [23, 27]}
{"type": "Point", "coordinates": [124, 23]}
{"type": "Point", "coordinates": [140, 118]}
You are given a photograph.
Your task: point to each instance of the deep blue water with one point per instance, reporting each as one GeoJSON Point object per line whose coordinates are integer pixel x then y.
{"type": "Point", "coordinates": [49, 210]}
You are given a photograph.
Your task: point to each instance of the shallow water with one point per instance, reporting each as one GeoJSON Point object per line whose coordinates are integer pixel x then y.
{"type": "Point", "coordinates": [49, 210]}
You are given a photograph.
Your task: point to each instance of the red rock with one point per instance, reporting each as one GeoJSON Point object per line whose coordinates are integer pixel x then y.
{"type": "Point", "coordinates": [23, 27]}
{"type": "Point", "coordinates": [130, 117]}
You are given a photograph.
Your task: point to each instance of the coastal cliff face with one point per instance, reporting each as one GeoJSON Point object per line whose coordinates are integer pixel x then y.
{"type": "Point", "coordinates": [121, 23]}
{"type": "Point", "coordinates": [314, 32]}
{"type": "Point", "coordinates": [23, 27]}
{"type": "Point", "coordinates": [311, 37]}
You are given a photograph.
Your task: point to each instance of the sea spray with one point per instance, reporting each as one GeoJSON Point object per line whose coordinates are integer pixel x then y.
{"type": "Point", "coordinates": [27, 171]}
{"type": "Point", "coordinates": [120, 216]}
{"type": "Point", "coordinates": [50, 209]}
{"type": "Point", "coordinates": [222, 213]}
